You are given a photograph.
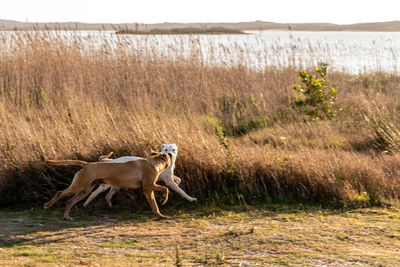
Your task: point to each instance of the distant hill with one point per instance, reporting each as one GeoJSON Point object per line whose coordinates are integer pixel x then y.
{"type": "Point", "coordinates": [240, 26]}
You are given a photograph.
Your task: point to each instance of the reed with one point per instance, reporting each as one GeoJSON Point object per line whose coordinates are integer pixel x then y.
{"type": "Point", "coordinates": [239, 133]}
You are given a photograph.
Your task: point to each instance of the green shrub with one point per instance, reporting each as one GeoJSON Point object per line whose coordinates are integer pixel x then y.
{"type": "Point", "coordinates": [315, 97]}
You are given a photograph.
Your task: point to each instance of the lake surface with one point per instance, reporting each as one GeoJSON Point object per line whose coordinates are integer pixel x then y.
{"type": "Point", "coordinates": [353, 52]}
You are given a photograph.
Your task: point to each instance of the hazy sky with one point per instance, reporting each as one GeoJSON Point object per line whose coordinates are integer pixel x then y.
{"type": "Point", "coordinates": [153, 11]}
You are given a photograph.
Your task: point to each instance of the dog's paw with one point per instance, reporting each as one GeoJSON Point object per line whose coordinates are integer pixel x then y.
{"type": "Point", "coordinates": [46, 205]}
{"type": "Point", "coordinates": [163, 217]}
{"type": "Point", "coordinates": [67, 218]}
{"type": "Point", "coordinates": [164, 200]}
{"type": "Point", "coordinates": [192, 199]}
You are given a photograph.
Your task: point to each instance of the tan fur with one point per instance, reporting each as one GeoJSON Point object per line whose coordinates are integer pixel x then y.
{"type": "Point", "coordinates": [136, 174]}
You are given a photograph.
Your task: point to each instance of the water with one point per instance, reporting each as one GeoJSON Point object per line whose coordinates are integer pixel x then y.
{"type": "Point", "coordinates": [353, 52]}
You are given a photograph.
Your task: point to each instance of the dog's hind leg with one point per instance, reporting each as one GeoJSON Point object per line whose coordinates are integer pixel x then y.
{"type": "Point", "coordinates": [101, 188]}
{"type": "Point", "coordinates": [113, 190]}
{"type": "Point", "coordinates": [75, 199]}
{"type": "Point", "coordinates": [75, 187]}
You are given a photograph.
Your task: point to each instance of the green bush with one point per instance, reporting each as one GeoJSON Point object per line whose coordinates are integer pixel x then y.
{"type": "Point", "coordinates": [315, 97]}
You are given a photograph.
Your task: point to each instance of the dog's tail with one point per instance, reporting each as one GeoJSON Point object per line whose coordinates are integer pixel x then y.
{"type": "Point", "coordinates": [102, 158]}
{"type": "Point", "coordinates": [67, 162]}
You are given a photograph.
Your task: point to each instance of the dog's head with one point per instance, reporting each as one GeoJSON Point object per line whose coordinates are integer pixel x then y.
{"type": "Point", "coordinates": [170, 149]}
{"type": "Point", "coordinates": [166, 158]}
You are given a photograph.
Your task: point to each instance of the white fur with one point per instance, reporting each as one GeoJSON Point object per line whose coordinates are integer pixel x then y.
{"type": "Point", "coordinates": [167, 176]}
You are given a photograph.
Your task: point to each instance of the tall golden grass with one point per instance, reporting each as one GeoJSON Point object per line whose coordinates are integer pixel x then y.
{"type": "Point", "coordinates": [239, 134]}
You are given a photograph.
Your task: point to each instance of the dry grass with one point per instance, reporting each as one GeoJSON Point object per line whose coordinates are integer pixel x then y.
{"type": "Point", "coordinates": [239, 134]}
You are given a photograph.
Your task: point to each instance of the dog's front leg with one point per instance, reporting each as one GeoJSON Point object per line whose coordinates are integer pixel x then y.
{"type": "Point", "coordinates": [171, 184]}
{"type": "Point", "coordinates": [75, 199]}
{"type": "Point", "coordinates": [153, 204]}
{"type": "Point", "coordinates": [177, 180]}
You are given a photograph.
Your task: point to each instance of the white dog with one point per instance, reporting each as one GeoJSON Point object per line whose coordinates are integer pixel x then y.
{"type": "Point", "coordinates": [167, 176]}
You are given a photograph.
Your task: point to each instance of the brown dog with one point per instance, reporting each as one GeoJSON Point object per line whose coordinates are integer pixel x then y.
{"type": "Point", "coordinates": [128, 175]}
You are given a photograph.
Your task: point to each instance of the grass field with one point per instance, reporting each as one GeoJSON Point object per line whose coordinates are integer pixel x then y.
{"type": "Point", "coordinates": [263, 235]}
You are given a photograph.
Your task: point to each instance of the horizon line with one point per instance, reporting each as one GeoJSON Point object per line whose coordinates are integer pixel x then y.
{"type": "Point", "coordinates": [194, 22]}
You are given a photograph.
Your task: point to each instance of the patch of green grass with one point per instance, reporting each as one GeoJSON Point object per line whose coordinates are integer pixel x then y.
{"type": "Point", "coordinates": [30, 254]}
{"type": "Point", "coordinates": [53, 259]}
{"type": "Point", "coordinates": [139, 256]}
{"type": "Point", "coordinates": [334, 142]}
{"type": "Point", "coordinates": [52, 250]}
{"type": "Point", "coordinates": [18, 244]}
{"type": "Point", "coordinates": [120, 244]}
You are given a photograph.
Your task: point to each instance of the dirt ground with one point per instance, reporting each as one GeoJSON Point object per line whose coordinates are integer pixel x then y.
{"type": "Point", "coordinates": [266, 235]}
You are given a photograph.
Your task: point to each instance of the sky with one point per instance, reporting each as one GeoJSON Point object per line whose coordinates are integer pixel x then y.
{"type": "Point", "coordinates": [157, 11]}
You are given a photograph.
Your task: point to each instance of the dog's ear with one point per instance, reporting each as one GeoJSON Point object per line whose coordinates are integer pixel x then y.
{"type": "Point", "coordinates": [162, 146]}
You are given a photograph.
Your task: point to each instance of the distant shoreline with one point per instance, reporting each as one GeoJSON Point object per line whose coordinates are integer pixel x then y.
{"type": "Point", "coordinates": [177, 31]}
{"type": "Point", "coordinates": [173, 28]}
